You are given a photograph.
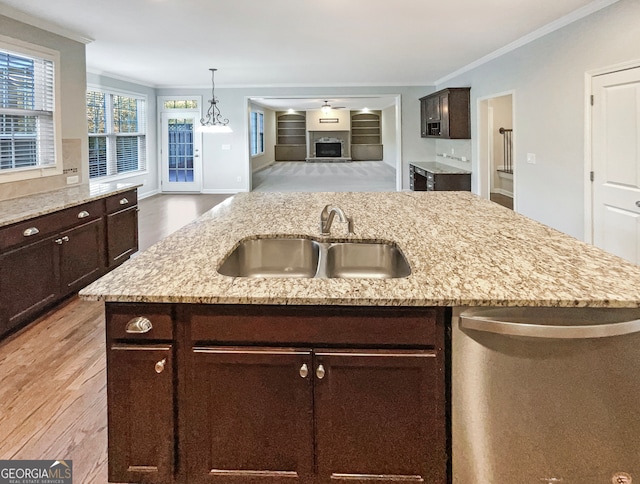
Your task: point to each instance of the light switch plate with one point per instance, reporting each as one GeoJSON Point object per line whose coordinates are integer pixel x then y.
{"type": "Point", "coordinates": [531, 158]}
{"type": "Point", "coordinates": [73, 179]}
{"type": "Point", "coordinates": [226, 147]}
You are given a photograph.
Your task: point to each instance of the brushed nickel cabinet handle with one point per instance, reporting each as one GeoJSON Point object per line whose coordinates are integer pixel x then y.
{"type": "Point", "coordinates": [58, 241]}
{"type": "Point", "coordinates": [304, 371]}
{"type": "Point", "coordinates": [83, 214]}
{"type": "Point", "coordinates": [139, 325]}
{"type": "Point", "coordinates": [30, 231]}
{"type": "Point", "coordinates": [320, 372]}
{"type": "Point", "coordinates": [65, 238]}
{"type": "Point", "coordinates": [160, 365]}
{"type": "Point", "coordinates": [123, 201]}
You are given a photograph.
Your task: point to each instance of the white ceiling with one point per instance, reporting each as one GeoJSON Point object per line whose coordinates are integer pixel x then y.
{"type": "Point", "coordinates": [173, 43]}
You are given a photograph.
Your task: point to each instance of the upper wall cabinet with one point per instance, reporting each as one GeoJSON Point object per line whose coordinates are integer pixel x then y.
{"type": "Point", "coordinates": [445, 114]}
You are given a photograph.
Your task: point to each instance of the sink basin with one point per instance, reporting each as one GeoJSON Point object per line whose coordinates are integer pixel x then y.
{"type": "Point", "coordinates": [366, 260]}
{"type": "Point", "coordinates": [278, 257]}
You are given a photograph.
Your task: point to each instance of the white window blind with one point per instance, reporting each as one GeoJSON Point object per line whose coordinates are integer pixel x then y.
{"type": "Point", "coordinates": [117, 133]}
{"type": "Point", "coordinates": [27, 104]}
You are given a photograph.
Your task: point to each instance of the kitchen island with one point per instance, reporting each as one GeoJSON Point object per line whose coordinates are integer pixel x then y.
{"type": "Point", "coordinates": [213, 378]}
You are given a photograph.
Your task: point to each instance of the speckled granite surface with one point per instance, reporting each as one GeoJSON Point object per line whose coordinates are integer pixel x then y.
{"type": "Point", "coordinates": [23, 208]}
{"type": "Point", "coordinates": [436, 167]}
{"type": "Point", "coordinates": [463, 251]}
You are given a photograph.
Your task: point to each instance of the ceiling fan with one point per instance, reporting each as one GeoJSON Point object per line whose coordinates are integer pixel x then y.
{"type": "Point", "coordinates": [326, 107]}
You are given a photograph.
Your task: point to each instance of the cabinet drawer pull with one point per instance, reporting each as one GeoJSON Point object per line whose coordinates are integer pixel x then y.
{"type": "Point", "coordinates": [320, 372]}
{"type": "Point", "coordinates": [58, 241]}
{"type": "Point", "coordinates": [160, 365]}
{"type": "Point", "coordinates": [139, 325]}
{"type": "Point", "coordinates": [30, 231]}
{"type": "Point", "coordinates": [123, 201]}
{"type": "Point", "coordinates": [83, 214]}
{"type": "Point", "coordinates": [304, 371]}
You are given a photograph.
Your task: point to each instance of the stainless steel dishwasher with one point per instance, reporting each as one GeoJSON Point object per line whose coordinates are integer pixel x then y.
{"type": "Point", "coordinates": [545, 395]}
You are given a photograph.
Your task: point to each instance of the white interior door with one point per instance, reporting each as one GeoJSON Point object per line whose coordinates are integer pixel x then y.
{"type": "Point", "coordinates": [616, 163]}
{"type": "Point", "coordinates": [181, 150]}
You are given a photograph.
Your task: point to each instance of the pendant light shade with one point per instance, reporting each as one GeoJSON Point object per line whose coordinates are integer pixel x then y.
{"type": "Point", "coordinates": [213, 122]}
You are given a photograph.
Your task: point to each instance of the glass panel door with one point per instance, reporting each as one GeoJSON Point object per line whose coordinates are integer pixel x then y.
{"type": "Point", "coordinates": [181, 146]}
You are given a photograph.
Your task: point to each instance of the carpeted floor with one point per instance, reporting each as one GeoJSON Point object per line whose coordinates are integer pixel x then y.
{"type": "Point", "coordinates": [299, 176]}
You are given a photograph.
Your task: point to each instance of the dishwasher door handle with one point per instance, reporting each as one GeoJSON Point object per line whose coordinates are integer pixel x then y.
{"type": "Point", "coordinates": [549, 331]}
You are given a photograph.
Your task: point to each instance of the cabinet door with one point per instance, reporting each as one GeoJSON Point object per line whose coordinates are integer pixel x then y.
{"type": "Point", "coordinates": [250, 415]}
{"type": "Point", "coordinates": [432, 108]}
{"type": "Point", "coordinates": [29, 281]}
{"type": "Point", "coordinates": [380, 416]}
{"type": "Point", "coordinates": [122, 235]}
{"type": "Point", "coordinates": [81, 255]}
{"type": "Point", "coordinates": [140, 413]}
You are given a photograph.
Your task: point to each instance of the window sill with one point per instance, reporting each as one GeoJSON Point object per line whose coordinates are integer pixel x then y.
{"type": "Point", "coordinates": [22, 174]}
{"type": "Point", "coordinates": [115, 178]}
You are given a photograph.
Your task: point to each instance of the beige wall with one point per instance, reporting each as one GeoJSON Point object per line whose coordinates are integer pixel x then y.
{"type": "Point", "coordinates": [342, 115]}
{"type": "Point", "coordinates": [547, 77]}
{"type": "Point", "coordinates": [73, 105]}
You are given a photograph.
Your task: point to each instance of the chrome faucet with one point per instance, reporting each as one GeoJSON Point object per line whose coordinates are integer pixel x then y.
{"type": "Point", "coordinates": [326, 218]}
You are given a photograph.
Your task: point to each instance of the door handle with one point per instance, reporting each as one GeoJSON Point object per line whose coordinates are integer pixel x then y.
{"type": "Point", "coordinates": [586, 331]}
{"type": "Point", "coordinates": [139, 325]}
{"type": "Point", "coordinates": [159, 366]}
{"type": "Point", "coordinates": [638, 203]}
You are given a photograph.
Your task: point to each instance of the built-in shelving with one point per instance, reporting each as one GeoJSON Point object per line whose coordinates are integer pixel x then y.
{"type": "Point", "coordinates": [366, 140]}
{"type": "Point", "coordinates": [291, 136]}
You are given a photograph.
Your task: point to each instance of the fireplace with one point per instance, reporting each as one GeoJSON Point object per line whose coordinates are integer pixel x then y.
{"type": "Point", "coordinates": [328, 150]}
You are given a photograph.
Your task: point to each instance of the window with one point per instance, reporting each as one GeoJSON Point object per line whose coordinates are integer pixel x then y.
{"type": "Point", "coordinates": [257, 133]}
{"type": "Point", "coordinates": [27, 112]}
{"type": "Point", "coordinates": [181, 104]}
{"type": "Point", "coordinates": [117, 133]}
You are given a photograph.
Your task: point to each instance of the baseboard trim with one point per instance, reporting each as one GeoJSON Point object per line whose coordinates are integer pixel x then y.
{"type": "Point", "coordinates": [214, 191]}
{"type": "Point", "coordinates": [148, 194]}
{"type": "Point", "coordinates": [501, 191]}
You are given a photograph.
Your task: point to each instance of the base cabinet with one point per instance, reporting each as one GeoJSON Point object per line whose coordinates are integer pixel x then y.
{"type": "Point", "coordinates": [271, 394]}
{"type": "Point", "coordinates": [251, 415]}
{"type": "Point", "coordinates": [34, 267]}
{"type": "Point", "coordinates": [48, 258]}
{"type": "Point", "coordinates": [140, 427]}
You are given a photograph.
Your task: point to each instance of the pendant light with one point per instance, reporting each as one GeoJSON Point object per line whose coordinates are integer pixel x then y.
{"type": "Point", "coordinates": [213, 122]}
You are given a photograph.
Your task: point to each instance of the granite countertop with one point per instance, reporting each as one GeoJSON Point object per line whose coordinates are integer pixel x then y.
{"type": "Point", "coordinates": [463, 250]}
{"type": "Point", "coordinates": [437, 167]}
{"type": "Point", "coordinates": [24, 208]}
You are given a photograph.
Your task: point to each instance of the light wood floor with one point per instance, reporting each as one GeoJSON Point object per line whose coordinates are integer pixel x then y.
{"type": "Point", "coordinates": [52, 373]}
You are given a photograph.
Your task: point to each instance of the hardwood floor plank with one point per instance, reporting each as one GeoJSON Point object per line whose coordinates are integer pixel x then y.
{"type": "Point", "coordinates": [53, 400]}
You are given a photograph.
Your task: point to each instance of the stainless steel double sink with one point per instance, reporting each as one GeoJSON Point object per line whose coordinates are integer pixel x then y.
{"type": "Point", "coordinates": [302, 257]}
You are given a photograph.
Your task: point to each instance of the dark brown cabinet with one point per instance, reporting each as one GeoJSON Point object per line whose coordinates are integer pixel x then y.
{"type": "Point", "coordinates": [47, 258]}
{"type": "Point", "coordinates": [81, 255]}
{"type": "Point", "coordinates": [445, 114]}
{"type": "Point", "coordinates": [29, 281]}
{"type": "Point", "coordinates": [282, 394]}
{"type": "Point", "coordinates": [140, 395]}
{"type": "Point", "coordinates": [122, 227]}
{"type": "Point", "coordinates": [250, 415]}
{"type": "Point", "coordinates": [433, 176]}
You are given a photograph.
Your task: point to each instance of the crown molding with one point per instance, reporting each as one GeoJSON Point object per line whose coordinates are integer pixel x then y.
{"type": "Point", "coordinates": [536, 34]}
{"type": "Point", "coordinates": [26, 18]}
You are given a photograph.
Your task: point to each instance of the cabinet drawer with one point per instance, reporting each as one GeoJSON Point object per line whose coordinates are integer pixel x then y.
{"type": "Point", "coordinates": [122, 201]}
{"type": "Point", "coordinates": [313, 325]}
{"type": "Point", "coordinates": [39, 227]}
{"type": "Point", "coordinates": [139, 322]}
